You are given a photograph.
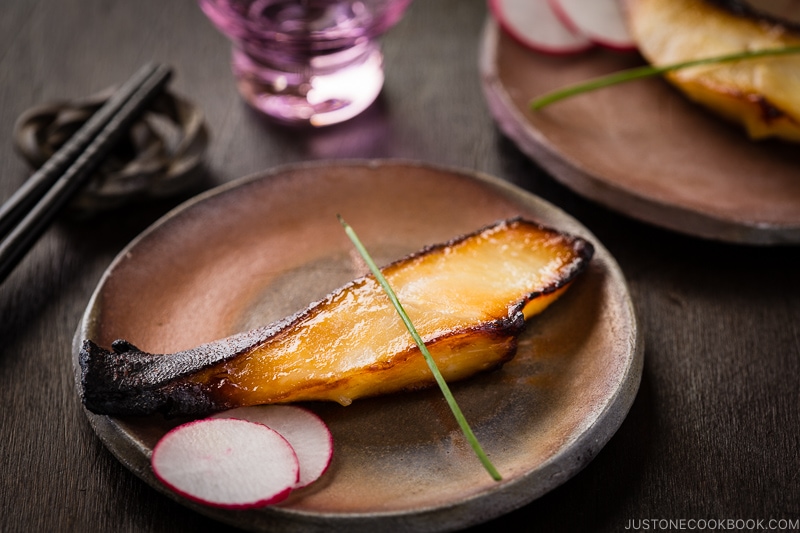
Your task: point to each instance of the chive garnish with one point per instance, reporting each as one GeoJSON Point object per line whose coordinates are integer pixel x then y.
{"type": "Point", "coordinates": [648, 71]}
{"type": "Point", "coordinates": [451, 401]}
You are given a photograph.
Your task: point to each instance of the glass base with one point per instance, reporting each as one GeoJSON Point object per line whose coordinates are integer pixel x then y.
{"type": "Point", "coordinates": [325, 90]}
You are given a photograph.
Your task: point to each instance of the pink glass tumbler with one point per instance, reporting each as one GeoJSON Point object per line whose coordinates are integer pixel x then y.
{"type": "Point", "coordinates": [306, 62]}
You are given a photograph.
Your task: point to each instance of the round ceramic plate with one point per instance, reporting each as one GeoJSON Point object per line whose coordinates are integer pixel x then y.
{"type": "Point", "coordinates": [641, 148]}
{"type": "Point", "coordinates": [264, 247]}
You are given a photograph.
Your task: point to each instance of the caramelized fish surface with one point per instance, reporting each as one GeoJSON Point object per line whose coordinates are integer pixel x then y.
{"type": "Point", "coordinates": [762, 95]}
{"type": "Point", "coordinates": [468, 299]}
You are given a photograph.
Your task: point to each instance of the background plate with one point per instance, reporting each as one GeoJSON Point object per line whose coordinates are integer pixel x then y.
{"type": "Point", "coordinates": [265, 246]}
{"type": "Point", "coordinates": [641, 148]}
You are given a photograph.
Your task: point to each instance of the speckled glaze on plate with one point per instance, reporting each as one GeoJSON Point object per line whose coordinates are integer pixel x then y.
{"type": "Point", "coordinates": [267, 245]}
{"type": "Point", "coordinates": [641, 148]}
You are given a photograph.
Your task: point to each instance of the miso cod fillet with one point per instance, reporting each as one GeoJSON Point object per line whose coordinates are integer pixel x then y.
{"type": "Point", "coordinates": [763, 95]}
{"type": "Point", "coordinates": [468, 299]}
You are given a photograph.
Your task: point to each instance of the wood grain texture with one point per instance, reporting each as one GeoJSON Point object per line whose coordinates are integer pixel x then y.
{"type": "Point", "coordinates": [714, 432]}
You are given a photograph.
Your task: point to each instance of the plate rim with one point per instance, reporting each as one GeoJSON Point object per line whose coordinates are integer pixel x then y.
{"type": "Point", "coordinates": [557, 469]}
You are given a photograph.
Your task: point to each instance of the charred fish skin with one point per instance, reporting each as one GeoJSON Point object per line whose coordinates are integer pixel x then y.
{"type": "Point", "coordinates": [352, 343]}
{"type": "Point", "coordinates": [128, 381]}
{"type": "Point", "coordinates": [113, 382]}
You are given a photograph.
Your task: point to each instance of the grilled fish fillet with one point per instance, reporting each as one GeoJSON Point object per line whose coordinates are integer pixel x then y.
{"type": "Point", "coordinates": [763, 95]}
{"type": "Point", "coordinates": [467, 298]}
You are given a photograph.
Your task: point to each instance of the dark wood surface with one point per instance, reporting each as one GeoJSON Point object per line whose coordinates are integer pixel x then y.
{"type": "Point", "coordinates": [713, 434]}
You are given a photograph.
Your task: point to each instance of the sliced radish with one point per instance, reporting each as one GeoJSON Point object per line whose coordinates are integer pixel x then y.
{"type": "Point", "coordinates": [304, 430]}
{"type": "Point", "coordinates": [601, 21]}
{"type": "Point", "coordinates": [534, 24]}
{"type": "Point", "coordinates": [227, 463]}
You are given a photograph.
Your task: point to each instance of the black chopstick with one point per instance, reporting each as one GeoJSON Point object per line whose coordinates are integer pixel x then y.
{"type": "Point", "coordinates": [14, 209]}
{"type": "Point", "coordinates": [30, 210]}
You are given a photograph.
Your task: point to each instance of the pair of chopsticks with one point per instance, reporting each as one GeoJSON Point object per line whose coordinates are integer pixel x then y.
{"type": "Point", "coordinates": [31, 209]}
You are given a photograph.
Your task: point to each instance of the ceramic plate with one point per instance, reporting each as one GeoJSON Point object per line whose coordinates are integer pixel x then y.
{"type": "Point", "coordinates": [642, 149]}
{"type": "Point", "coordinates": [264, 247]}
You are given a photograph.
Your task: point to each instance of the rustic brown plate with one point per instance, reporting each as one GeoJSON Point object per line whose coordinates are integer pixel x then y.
{"type": "Point", "coordinates": [642, 149]}
{"type": "Point", "coordinates": [263, 247]}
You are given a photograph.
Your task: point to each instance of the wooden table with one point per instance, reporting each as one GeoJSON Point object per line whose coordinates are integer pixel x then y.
{"type": "Point", "coordinates": [713, 434]}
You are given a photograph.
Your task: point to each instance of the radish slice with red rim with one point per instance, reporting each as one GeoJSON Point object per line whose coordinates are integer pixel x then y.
{"type": "Point", "coordinates": [228, 463]}
{"type": "Point", "coordinates": [534, 24]}
{"type": "Point", "coordinates": [306, 432]}
{"type": "Point", "coordinates": [601, 21]}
